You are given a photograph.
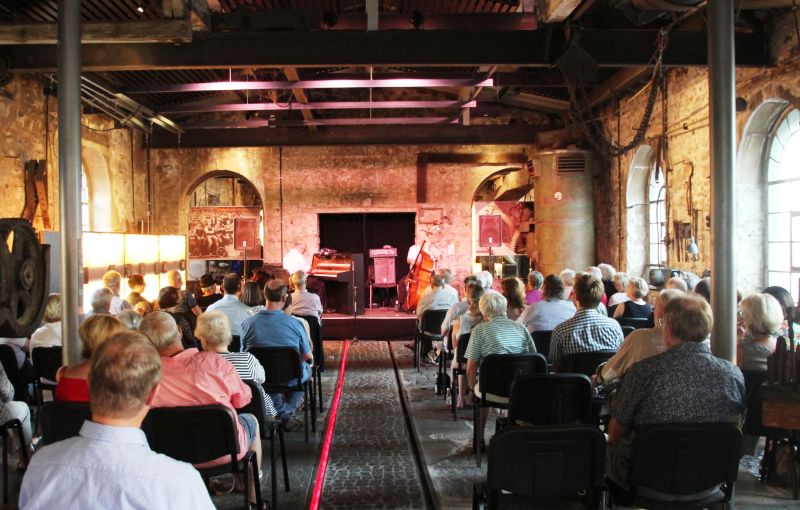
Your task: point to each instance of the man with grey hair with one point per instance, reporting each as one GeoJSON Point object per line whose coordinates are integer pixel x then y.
{"type": "Point", "coordinates": [676, 282]}
{"type": "Point", "coordinates": [190, 377]}
{"type": "Point", "coordinates": [101, 302]}
{"type": "Point", "coordinates": [498, 335]}
{"type": "Point", "coordinates": [486, 280]}
{"type": "Point", "coordinates": [112, 280]}
{"type": "Point", "coordinates": [110, 462]}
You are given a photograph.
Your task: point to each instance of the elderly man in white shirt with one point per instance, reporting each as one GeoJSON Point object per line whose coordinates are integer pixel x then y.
{"type": "Point", "coordinates": [230, 305]}
{"type": "Point", "coordinates": [112, 280]}
{"type": "Point", "coordinates": [295, 259]}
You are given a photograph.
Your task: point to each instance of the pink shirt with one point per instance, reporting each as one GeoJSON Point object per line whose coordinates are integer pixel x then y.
{"type": "Point", "coordinates": [192, 377]}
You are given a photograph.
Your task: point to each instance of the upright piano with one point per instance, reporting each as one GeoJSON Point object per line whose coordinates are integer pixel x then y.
{"type": "Point", "coordinates": [338, 272]}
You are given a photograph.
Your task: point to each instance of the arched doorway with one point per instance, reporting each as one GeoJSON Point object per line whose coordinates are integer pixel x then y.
{"type": "Point", "coordinates": [225, 226]}
{"type": "Point", "coordinates": [637, 200]}
{"type": "Point", "coordinates": [503, 226]}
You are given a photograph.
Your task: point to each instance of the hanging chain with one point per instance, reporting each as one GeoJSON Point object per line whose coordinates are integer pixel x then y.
{"type": "Point", "coordinates": [580, 111]}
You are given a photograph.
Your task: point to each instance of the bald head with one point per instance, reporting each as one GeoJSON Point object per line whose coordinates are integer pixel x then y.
{"type": "Point", "coordinates": [677, 283]}
{"type": "Point", "coordinates": [174, 278]}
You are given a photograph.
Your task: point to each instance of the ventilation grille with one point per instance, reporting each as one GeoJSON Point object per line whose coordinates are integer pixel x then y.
{"type": "Point", "coordinates": [572, 163]}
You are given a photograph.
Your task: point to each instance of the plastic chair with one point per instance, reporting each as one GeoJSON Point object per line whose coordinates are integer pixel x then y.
{"type": "Point", "coordinates": [585, 363]}
{"type": "Point", "coordinates": [270, 429]}
{"type": "Point", "coordinates": [551, 463]}
{"type": "Point", "coordinates": [197, 434]}
{"type": "Point", "coordinates": [283, 364]}
{"type": "Point", "coordinates": [4, 428]}
{"type": "Point", "coordinates": [459, 369]}
{"type": "Point", "coordinates": [46, 362]}
{"type": "Point", "coordinates": [542, 341]}
{"type": "Point", "coordinates": [62, 420]}
{"type": "Point", "coordinates": [317, 347]}
{"type": "Point", "coordinates": [551, 399]}
{"type": "Point", "coordinates": [429, 330]}
{"type": "Point", "coordinates": [442, 374]}
{"type": "Point", "coordinates": [681, 460]}
{"type": "Point", "coordinates": [495, 375]}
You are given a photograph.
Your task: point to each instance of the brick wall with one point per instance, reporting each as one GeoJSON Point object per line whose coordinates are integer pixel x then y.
{"type": "Point", "coordinates": [688, 143]}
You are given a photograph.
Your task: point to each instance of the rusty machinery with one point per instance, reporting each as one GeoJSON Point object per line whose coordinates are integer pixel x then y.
{"type": "Point", "coordinates": [24, 281]}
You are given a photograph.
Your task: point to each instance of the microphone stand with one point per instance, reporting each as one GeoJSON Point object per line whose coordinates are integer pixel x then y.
{"type": "Point", "coordinates": [355, 298]}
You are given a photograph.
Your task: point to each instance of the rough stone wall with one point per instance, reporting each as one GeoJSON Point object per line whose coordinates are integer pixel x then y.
{"type": "Point", "coordinates": [111, 157]}
{"type": "Point", "coordinates": [298, 183]}
{"type": "Point", "coordinates": [688, 144]}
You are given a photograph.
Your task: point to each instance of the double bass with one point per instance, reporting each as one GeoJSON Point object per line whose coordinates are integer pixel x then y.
{"type": "Point", "coordinates": [419, 277]}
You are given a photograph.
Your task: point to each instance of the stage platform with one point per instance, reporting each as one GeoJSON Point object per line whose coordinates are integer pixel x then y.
{"type": "Point", "coordinates": [375, 324]}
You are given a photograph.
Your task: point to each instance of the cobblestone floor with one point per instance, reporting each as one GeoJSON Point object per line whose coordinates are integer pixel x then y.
{"type": "Point", "coordinates": [371, 463]}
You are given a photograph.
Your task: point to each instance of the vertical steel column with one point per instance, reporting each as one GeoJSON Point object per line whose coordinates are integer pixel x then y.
{"type": "Point", "coordinates": [69, 172]}
{"type": "Point", "coordinates": [722, 83]}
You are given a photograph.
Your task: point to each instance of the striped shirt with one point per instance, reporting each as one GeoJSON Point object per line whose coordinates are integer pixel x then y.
{"type": "Point", "coordinates": [587, 331]}
{"type": "Point", "coordinates": [498, 336]}
{"type": "Point", "coordinates": [250, 369]}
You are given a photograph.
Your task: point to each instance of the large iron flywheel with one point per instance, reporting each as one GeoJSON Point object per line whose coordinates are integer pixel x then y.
{"type": "Point", "coordinates": [24, 281]}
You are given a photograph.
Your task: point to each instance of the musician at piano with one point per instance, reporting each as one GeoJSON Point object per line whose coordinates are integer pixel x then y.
{"type": "Point", "coordinates": [295, 260]}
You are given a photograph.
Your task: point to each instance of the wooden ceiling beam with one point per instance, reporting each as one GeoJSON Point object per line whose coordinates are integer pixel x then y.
{"type": "Point", "coordinates": [537, 48]}
{"type": "Point", "coordinates": [299, 94]}
{"type": "Point", "coordinates": [101, 32]}
{"type": "Point", "coordinates": [618, 81]}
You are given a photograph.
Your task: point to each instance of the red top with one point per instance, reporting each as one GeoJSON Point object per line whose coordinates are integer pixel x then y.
{"type": "Point", "coordinates": [71, 389]}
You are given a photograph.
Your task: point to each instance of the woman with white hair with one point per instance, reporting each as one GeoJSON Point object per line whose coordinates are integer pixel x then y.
{"type": "Point", "coordinates": [635, 307]}
{"type": "Point", "coordinates": [214, 332]}
{"type": "Point", "coordinates": [568, 281]}
{"type": "Point", "coordinates": [761, 321]}
{"type": "Point", "coordinates": [49, 333]}
{"type": "Point", "coordinates": [620, 284]}
{"type": "Point", "coordinates": [608, 272]}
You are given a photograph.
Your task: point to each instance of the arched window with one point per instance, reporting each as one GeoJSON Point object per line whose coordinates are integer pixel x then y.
{"type": "Point", "coordinates": [783, 207]}
{"type": "Point", "coordinates": [657, 217]}
{"type": "Point", "coordinates": [86, 223]}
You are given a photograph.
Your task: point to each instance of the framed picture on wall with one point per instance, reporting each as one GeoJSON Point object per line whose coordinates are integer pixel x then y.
{"type": "Point", "coordinates": [429, 216]}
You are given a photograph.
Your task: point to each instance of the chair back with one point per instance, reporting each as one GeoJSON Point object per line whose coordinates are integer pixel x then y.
{"type": "Point", "coordinates": [256, 405]}
{"type": "Point", "coordinates": [46, 361]}
{"type": "Point", "coordinates": [542, 341]}
{"type": "Point", "coordinates": [281, 365]}
{"type": "Point", "coordinates": [551, 399]}
{"type": "Point", "coordinates": [497, 371]}
{"type": "Point", "coordinates": [627, 330]}
{"type": "Point", "coordinates": [316, 339]}
{"type": "Point", "coordinates": [636, 322]}
{"type": "Point", "coordinates": [547, 462]}
{"type": "Point", "coordinates": [463, 343]}
{"type": "Point", "coordinates": [753, 379]}
{"type": "Point", "coordinates": [236, 344]}
{"type": "Point", "coordinates": [431, 322]}
{"type": "Point", "coordinates": [8, 359]}
{"type": "Point", "coordinates": [685, 459]}
{"type": "Point", "coordinates": [585, 363]}
{"type": "Point", "coordinates": [62, 420]}
{"type": "Point", "coordinates": [193, 434]}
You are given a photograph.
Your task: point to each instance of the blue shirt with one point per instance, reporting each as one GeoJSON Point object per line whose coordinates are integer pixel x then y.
{"type": "Point", "coordinates": [110, 467]}
{"type": "Point", "coordinates": [273, 328]}
{"type": "Point", "coordinates": [236, 311]}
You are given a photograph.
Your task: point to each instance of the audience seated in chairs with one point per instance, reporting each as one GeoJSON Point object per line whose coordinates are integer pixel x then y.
{"type": "Point", "coordinates": [607, 273]}
{"type": "Point", "coordinates": [621, 294]}
{"type": "Point", "coordinates": [130, 319]}
{"type": "Point", "coordinates": [685, 384]}
{"type": "Point", "coordinates": [230, 305]}
{"type": "Point", "coordinates": [460, 308]}
{"type": "Point", "coordinates": [73, 384]}
{"type": "Point", "coordinates": [757, 335]}
{"type": "Point", "coordinates": [111, 462]}
{"type": "Point", "coordinates": [273, 328]}
{"type": "Point", "coordinates": [136, 284]}
{"type": "Point", "coordinates": [49, 334]}
{"type": "Point", "coordinates": [304, 302]}
{"type": "Point", "coordinates": [640, 344]}
{"type": "Point", "coordinates": [635, 307]}
{"type": "Point", "coordinates": [438, 298]}
{"type": "Point", "coordinates": [11, 409]}
{"type": "Point", "coordinates": [112, 280]}
{"type": "Point", "coordinates": [567, 277]}
{"type": "Point", "coordinates": [208, 288]}
{"type": "Point", "coordinates": [190, 377]}
{"type": "Point", "coordinates": [100, 303]}
{"type": "Point", "coordinates": [786, 301]}
{"type": "Point", "coordinates": [514, 292]}
{"type": "Point", "coordinates": [214, 332]}
{"type": "Point", "coordinates": [551, 311]}
{"type": "Point", "coordinates": [499, 335]}
{"type": "Point", "coordinates": [588, 330]}
{"type": "Point", "coordinates": [253, 296]}
{"type": "Point", "coordinates": [168, 298]}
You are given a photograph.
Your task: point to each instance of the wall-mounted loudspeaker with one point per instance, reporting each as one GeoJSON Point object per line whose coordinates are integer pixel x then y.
{"type": "Point", "coordinates": [490, 230]}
